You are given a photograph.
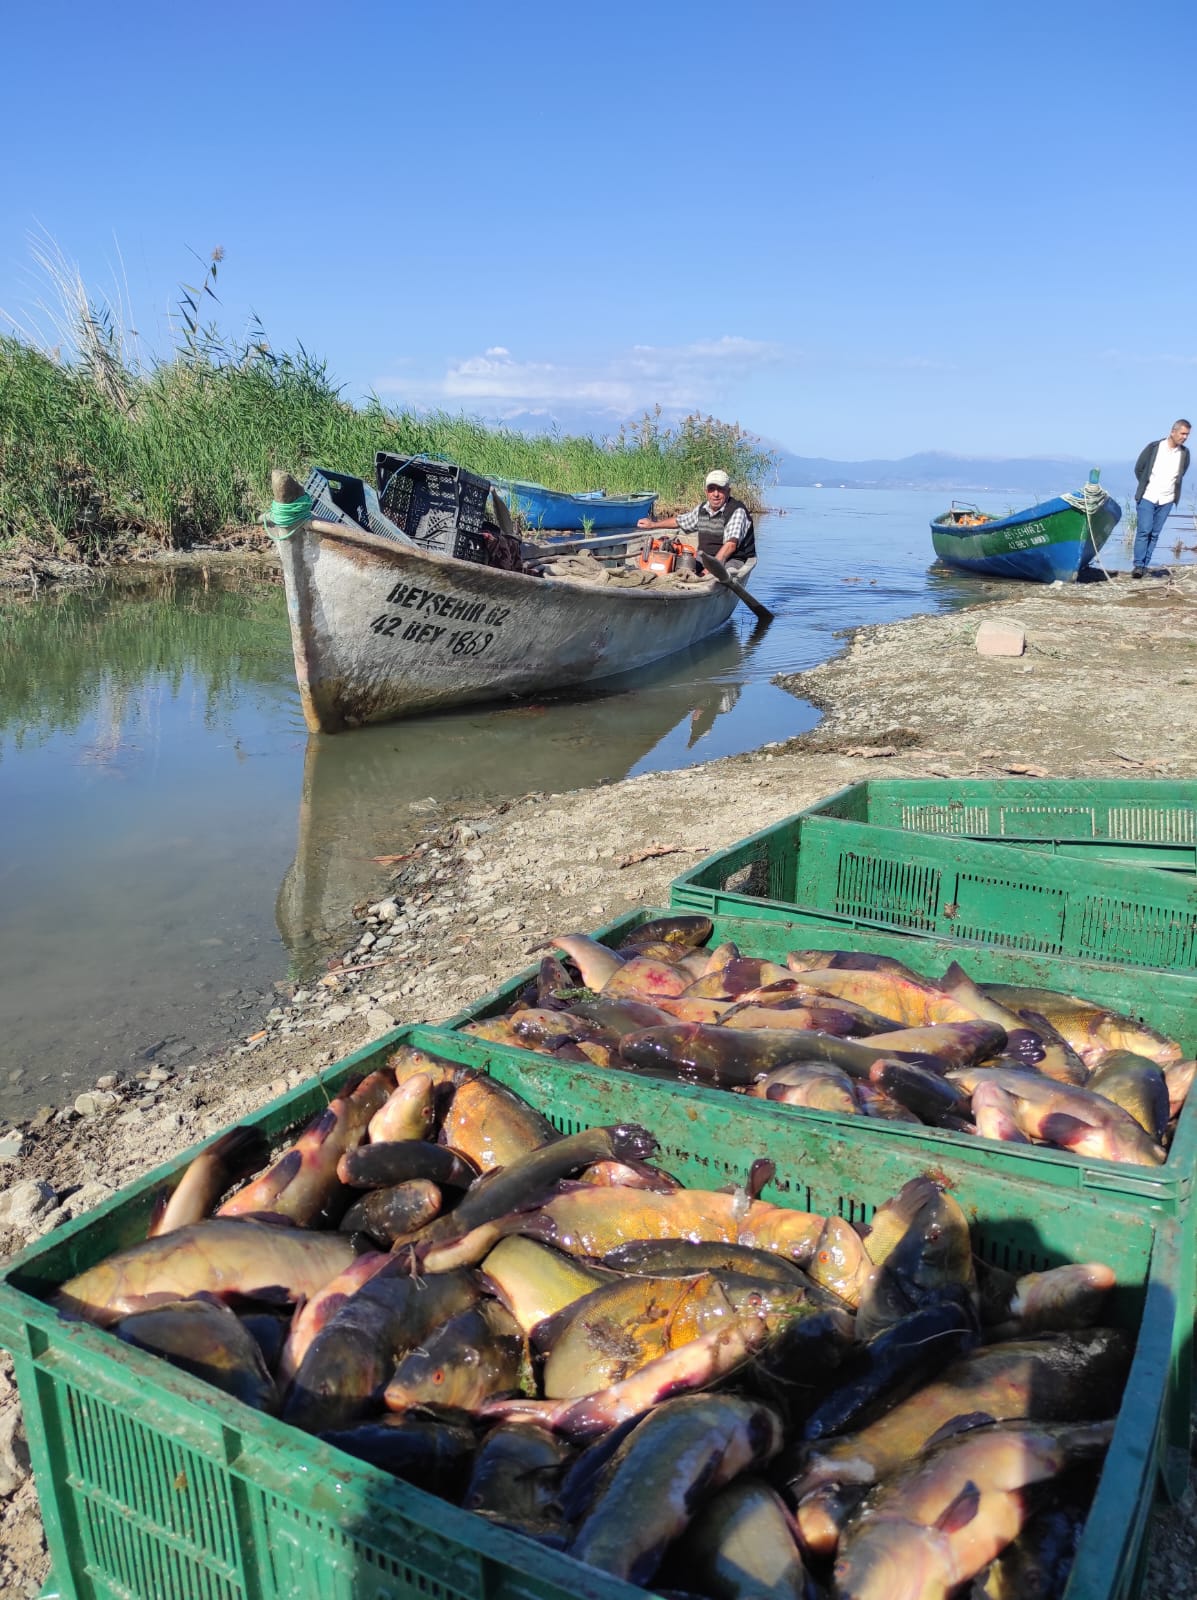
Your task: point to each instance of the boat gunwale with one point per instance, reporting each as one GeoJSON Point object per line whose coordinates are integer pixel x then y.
{"type": "Point", "coordinates": [591, 496]}
{"type": "Point", "coordinates": [391, 553]}
{"type": "Point", "coordinates": [1037, 513]}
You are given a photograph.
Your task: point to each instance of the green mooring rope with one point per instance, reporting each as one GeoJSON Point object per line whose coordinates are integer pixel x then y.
{"type": "Point", "coordinates": [287, 514]}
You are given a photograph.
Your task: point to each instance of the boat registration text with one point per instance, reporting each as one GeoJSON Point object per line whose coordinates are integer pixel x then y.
{"type": "Point", "coordinates": [1025, 538]}
{"type": "Point", "coordinates": [407, 598]}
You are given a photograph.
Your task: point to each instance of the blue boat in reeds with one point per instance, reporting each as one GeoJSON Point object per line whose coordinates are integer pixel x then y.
{"type": "Point", "coordinates": [551, 508]}
{"type": "Point", "coordinates": [1048, 543]}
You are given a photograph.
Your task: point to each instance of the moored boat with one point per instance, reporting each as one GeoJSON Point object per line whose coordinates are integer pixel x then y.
{"type": "Point", "coordinates": [383, 626]}
{"type": "Point", "coordinates": [540, 507]}
{"type": "Point", "coordinates": [1047, 543]}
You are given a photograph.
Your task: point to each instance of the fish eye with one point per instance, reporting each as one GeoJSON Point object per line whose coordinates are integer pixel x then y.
{"type": "Point", "coordinates": [439, 1375]}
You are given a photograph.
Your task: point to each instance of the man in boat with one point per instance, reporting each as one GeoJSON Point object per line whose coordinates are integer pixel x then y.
{"type": "Point", "coordinates": [720, 527]}
{"type": "Point", "coordinates": [1159, 472]}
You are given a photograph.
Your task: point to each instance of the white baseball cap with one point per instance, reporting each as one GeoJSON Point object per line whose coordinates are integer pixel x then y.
{"type": "Point", "coordinates": [718, 479]}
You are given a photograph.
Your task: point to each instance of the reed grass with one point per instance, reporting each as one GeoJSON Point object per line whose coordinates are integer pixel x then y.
{"type": "Point", "coordinates": [99, 453]}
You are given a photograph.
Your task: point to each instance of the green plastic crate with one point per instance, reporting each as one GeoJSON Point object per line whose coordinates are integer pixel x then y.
{"type": "Point", "coordinates": [953, 888]}
{"type": "Point", "coordinates": [1165, 1000]}
{"type": "Point", "coordinates": [1133, 822]}
{"type": "Point", "coordinates": [153, 1484]}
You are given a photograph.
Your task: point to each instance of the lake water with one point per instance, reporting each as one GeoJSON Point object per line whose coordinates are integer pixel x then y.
{"type": "Point", "coordinates": [174, 843]}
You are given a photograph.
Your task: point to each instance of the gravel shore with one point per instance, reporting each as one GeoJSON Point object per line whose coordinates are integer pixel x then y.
{"type": "Point", "coordinates": [1107, 687]}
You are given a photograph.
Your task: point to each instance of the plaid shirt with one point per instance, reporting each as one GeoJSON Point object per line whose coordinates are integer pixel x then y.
{"type": "Point", "coordinates": [737, 524]}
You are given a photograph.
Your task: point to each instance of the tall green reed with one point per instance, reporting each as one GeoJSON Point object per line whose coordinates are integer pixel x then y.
{"type": "Point", "coordinates": [99, 451]}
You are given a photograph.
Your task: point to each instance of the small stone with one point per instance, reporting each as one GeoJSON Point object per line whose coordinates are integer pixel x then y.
{"type": "Point", "coordinates": [14, 1452]}
{"type": "Point", "coordinates": [377, 1022]}
{"type": "Point", "coordinates": [998, 638]}
{"type": "Point", "coordinates": [24, 1203]}
{"type": "Point", "coordinates": [42, 1117]}
{"type": "Point", "coordinates": [12, 1147]}
{"type": "Point", "coordinates": [385, 910]}
{"type": "Point", "coordinates": [87, 1196]}
{"type": "Point", "coordinates": [108, 1081]}
{"type": "Point", "coordinates": [336, 1014]}
{"type": "Point", "coordinates": [90, 1105]}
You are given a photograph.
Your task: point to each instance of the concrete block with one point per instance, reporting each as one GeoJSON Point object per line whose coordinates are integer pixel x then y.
{"type": "Point", "coordinates": [998, 638]}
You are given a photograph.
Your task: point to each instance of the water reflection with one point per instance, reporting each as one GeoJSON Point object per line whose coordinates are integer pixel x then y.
{"type": "Point", "coordinates": [370, 793]}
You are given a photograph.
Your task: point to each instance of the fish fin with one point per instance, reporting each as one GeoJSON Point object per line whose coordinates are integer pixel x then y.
{"type": "Point", "coordinates": [964, 1423]}
{"type": "Point", "coordinates": [1058, 1127]}
{"type": "Point", "coordinates": [284, 1170]}
{"type": "Point", "coordinates": [242, 1148]}
{"type": "Point", "coordinates": [960, 1511]}
{"type": "Point", "coordinates": [1044, 1027]}
{"type": "Point", "coordinates": [582, 1479]}
{"type": "Point", "coordinates": [161, 1201]}
{"type": "Point", "coordinates": [761, 1173]}
{"type": "Point", "coordinates": [271, 1219]}
{"type": "Point", "coordinates": [703, 1478]}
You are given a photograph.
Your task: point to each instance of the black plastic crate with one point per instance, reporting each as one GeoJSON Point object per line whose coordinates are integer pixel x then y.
{"type": "Point", "coordinates": [435, 503]}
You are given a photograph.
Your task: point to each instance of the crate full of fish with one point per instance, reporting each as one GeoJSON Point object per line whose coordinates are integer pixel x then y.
{"type": "Point", "coordinates": [1073, 1074]}
{"type": "Point", "coordinates": [421, 1328]}
{"type": "Point", "coordinates": [952, 887]}
{"type": "Point", "coordinates": [1129, 821]}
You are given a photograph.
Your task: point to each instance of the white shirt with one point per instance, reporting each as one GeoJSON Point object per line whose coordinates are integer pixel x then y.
{"type": "Point", "coordinates": [1161, 486]}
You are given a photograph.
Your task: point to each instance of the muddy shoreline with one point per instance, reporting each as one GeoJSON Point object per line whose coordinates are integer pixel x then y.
{"type": "Point", "coordinates": [1107, 688]}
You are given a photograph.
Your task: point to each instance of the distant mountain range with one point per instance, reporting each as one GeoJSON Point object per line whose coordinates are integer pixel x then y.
{"type": "Point", "coordinates": [1032, 476]}
{"type": "Point", "coordinates": [936, 469]}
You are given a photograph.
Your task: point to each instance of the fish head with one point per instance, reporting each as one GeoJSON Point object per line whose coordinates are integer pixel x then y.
{"type": "Point", "coordinates": [839, 1262]}
{"type": "Point", "coordinates": [686, 931]}
{"type": "Point", "coordinates": [936, 1252]}
{"type": "Point", "coordinates": [885, 1558]}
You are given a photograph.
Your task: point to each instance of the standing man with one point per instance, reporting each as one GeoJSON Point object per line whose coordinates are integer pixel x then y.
{"type": "Point", "coordinates": [722, 524]}
{"type": "Point", "coordinates": [1159, 472]}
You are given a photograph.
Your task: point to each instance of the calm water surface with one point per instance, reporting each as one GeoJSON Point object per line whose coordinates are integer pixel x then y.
{"type": "Point", "coordinates": [173, 843]}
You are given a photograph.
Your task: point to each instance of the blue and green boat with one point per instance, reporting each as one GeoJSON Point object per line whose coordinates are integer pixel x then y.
{"type": "Point", "coordinates": [1052, 542]}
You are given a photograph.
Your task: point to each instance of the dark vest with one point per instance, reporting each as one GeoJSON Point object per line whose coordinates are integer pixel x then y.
{"type": "Point", "coordinates": [709, 532]}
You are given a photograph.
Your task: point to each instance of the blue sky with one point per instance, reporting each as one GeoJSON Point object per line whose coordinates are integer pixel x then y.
{"type": "Point", "coordinates": [859, 230]}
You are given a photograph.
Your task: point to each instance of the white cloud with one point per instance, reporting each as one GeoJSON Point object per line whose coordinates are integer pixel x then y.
{"type": "Point", "coordinates": [1139, 359]}
{"type": "Point", "coordinates": [677, 377]}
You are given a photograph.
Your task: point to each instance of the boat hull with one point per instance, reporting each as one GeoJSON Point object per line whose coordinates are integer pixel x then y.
{"type": "Point", "coordinates": [549, 508]}
{"type": "Point", "coordinates": [1049, 543]}
{"type": "Point", "coordinates": [380, 630]}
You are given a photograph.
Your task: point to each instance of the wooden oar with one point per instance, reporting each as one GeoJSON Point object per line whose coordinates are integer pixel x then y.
{"type": "Point", "coordinates": [718, 570]}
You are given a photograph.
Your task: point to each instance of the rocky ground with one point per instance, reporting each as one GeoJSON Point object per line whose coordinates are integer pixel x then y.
{"type": "Point", "coordinates": [1107, 687]}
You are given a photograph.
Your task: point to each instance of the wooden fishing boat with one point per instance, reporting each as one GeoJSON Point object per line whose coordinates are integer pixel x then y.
{"type": "Point", "coordinates": [384, 627]}
{"type": "Point", "coordinates": [1051, 542]}
{"type": "Point", "coordinates": [550, 508]}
